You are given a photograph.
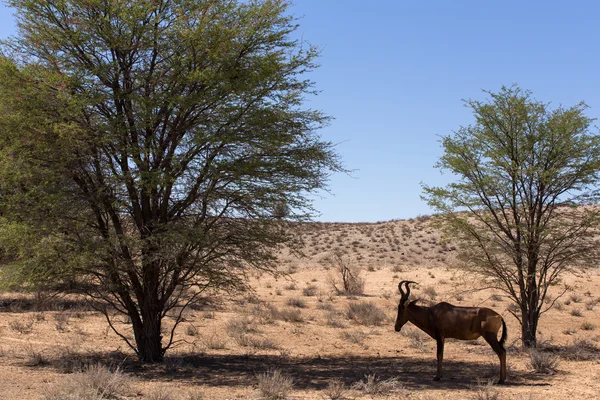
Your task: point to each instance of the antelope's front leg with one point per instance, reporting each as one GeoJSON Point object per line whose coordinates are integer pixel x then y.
{"type": "Point", "coordinates": [440, 357]}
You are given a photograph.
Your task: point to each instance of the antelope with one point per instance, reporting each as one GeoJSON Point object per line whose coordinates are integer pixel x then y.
{"type": "Point", "coordinates": [447, 321]}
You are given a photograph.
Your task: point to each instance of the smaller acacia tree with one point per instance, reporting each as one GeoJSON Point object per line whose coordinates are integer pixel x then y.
{"type": "Point", "coordinates": [524, 173]}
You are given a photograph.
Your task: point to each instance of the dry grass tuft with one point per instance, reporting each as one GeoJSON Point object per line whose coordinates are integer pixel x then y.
{"type": "Point", "coordinates": [94, 382]}
{"type": "Point", "coordinates": [274, 385]}
{"type": "Point", "coordinates": [21, 326]}
{"type": "Point", "coordinates": [356, 337]}
{"type": "Point", "coordinates": [366, 313]}
{"type": "Point", "coordinates": [373, 386]}
{"type": "Point", "coordinates": [543, 362]}
{"type": "Point", "coordinates": [296, 302]}
{"type": "Point", "coordinates": [336, 390]}
{"type": "Point", "coordinates": [486, 392]}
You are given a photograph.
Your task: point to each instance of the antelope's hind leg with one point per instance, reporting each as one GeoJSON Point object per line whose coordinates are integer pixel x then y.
{"type": "Point", "coordinates": [500, 351]}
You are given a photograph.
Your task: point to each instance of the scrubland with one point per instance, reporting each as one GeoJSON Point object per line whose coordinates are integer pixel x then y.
{"type": "Point", "coordinates": [299, 336]}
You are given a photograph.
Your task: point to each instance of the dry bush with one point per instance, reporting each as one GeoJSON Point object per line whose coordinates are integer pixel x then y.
{"type": "Point", "coordinates": [214, 341]}
{"type": "Point", "coordinates": [191, 330]}
{"type": "Point", "coordinates": [310, 290]}
{"type": "Point", "coordinates": [33, 356]}
{"type": "Point", "coordinates": [274, 385]}
{"type": "Point", "coordinates": [21, 326]}
{"type": "Point", "coordinates": [543, 362]}
{"type": "Point", "coordinates": [366, 313]}
{"type": "Point", "coordinates": [356, 337]}
{"type": "Point", "coordinates": [61, 320]}
{"type": "Point", "coordinates": [588, 326]}
{"type": "Point", "coordinates": [259, 343]}
{"type": "Point", "coordinates": [576, 312]}
{"type": "Point", "coordinates": [373, 386]}
{"type": "Point", "coordinates": [296, 302]}
{"type": "Point", "coordinates": [486, 392]}
{"type": "Point", "coordinates": [580, 350]}
{"type": "Point", "coordinates": [348, 280]}
{"type": "Point", "coordinates": [431, 292]}
{"type": "Point", "coordinates": [417, 337]}
{"type": "Point", "coordinates": [575, 298]}
{"type": "Point", "coordinates": [290, 286]}
{"type": "Point", "coordinates": [336, 390]}
{"type": "Point", "coordinates": [160, 393]}
{"type": "Point", "coordinates": [94, 382]}
{"type": "Point", "coordinates": [290, 315]}
{"type": "Point", "coordinates": [333, 320]}
{"type": "Point", "coordinates": [240, 326]}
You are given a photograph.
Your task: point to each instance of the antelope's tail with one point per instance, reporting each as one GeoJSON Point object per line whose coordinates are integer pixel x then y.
{"type": "Point", "coordinates": [504, 332]}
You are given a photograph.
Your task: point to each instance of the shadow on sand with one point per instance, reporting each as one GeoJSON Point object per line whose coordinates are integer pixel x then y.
{"type": "Point", "coordinates": [315, 373]}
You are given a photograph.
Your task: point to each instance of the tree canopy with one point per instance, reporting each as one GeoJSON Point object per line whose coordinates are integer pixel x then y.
{"type": "Point", "coordinates": [523, 205]}
{"type": "Point", "coordinates": [144, 146]}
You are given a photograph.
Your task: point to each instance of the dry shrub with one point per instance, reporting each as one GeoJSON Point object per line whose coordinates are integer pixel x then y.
{"type": "Point", "coordinates": [336, 390]}
{"type": "Point", "coordinates": [348, 280]}
{"type": "Point", "coordinates": [296, 302]}
{"type": "Point", "coordinates": [191, 330]}
{"type": "Point", "coordinates": [273, 385]}
{"type": "Point", "coordinates": [333, 320]}
{"type": "Point", "coordinates": [239, 326]}
{"type": "Point", "coordinates": [260, 343]}
{"type": "Point", "coordinates": [373, 386]}
{"type": "Point", "coordinates": [366, 313]}
{"type": "Point", "coordinates": [160, 393]}
{"type": "Point", "coordinates": [290, 315]}
{"type": "Point", "coordinates": [417, 337]}
{"type": "Point", "coordinates": [543, 362]}
{"type": "Point", "coordinates": [581, 350]}
{"type": "Point", "coordinates": [61, 320]}
{"type": "Point", "coordinates": [431, 292]}
{"type": "Point", "coordinates": [486, 392]}
{"type": "Point", "coordinates": [310, 290]}
{"type": "Point", "coordinates": [21, 326]}
{"type": "Point", "coordinates": [356, 337]}
{"type": "Point", "coordinates": [576, 312]}
{"type": "Point", "coordinates": [33, 356]}
{"type": "Point", "coordinates": [94, 382]}
{"type": "Point", "coordinates": [588, 326]}
{"type": "Point", "coordinates": [214, 341]}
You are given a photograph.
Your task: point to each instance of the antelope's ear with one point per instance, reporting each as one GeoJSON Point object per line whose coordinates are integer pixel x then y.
{"type": "Point", "coordinates": [412, 303]}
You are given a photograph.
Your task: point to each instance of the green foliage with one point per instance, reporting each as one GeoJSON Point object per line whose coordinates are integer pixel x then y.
{"type": "Point", "coordinates": [522, 171]}
{"type": "Point", "coordinates": [144, 147]}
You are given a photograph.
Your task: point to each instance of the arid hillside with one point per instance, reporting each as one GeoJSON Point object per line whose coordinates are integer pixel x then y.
{"type": "Point", "coordinates": [295, 336]}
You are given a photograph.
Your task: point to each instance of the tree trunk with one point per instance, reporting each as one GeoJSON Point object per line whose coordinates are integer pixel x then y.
{"type": "Point", "coordinates": [529, 328]}
{"type": "Point", "coordinates": [148, 338]}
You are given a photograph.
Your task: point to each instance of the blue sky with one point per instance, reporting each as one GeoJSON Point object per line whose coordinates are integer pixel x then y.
{"type": "Point", "coordinates": [393, 74]}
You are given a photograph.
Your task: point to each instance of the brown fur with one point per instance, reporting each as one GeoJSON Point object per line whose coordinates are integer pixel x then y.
{"type": "Point", "coordinates": [447, 321]}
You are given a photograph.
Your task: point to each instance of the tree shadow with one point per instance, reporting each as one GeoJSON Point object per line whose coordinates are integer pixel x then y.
{"type": "Point", "coordinates": [315, 373]}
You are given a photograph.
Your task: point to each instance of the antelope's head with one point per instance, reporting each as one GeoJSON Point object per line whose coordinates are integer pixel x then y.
{"type": "Point", "coordinates": [402, 317]}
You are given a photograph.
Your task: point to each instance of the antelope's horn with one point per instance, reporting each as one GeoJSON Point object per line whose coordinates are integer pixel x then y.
{"type": "Point", "coordinates": [400, 289]}
{"type": "Point", "coordinates": [408, 287]}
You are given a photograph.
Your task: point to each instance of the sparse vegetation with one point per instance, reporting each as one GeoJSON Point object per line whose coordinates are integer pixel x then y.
{"type": "Point", "coordinates": [365, 313]}
{"type": "Point", "coordinates": [274, 385]}
{"type": "Point", "coordinates": [94, 382]}
{"type": "Point", "coordinates": [543, 362]}
{"type": "Point", "coordinates": [370, 384]}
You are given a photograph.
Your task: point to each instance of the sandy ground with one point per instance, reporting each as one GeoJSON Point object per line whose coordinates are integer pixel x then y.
{"type": "Point", "coordinates": [297, 325]}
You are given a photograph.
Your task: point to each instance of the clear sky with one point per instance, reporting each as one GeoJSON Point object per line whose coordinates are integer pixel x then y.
{"type": "Point", "coordinates": [393, 74]}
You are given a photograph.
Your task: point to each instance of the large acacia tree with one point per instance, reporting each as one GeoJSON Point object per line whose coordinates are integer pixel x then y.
{"type": "Point", "coordinates": [145, 147]}
{"type": "Point", "coordinates": [525, 173]}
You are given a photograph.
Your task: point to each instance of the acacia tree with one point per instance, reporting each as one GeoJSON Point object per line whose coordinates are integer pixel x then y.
{"type": "Point", "coordinates": [145, 144]}
{"type": "Point", "coordinates": [523, 172]}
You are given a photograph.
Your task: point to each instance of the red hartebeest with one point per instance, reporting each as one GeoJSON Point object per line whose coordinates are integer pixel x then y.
{"type": "Point", "coordinates": [447, 321]}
